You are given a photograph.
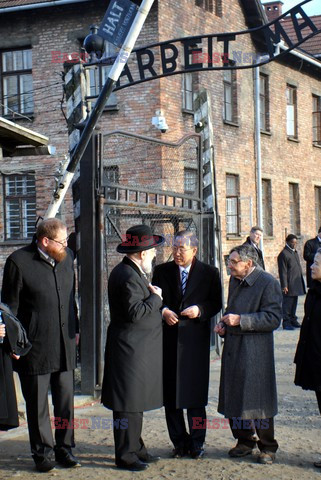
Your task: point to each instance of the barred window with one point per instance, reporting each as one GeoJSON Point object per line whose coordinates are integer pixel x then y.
{"type": "Point", "coordinates": [187, 90]}
{"type": "Point", "coordinates": [19, 206]}
{"type": "Point", "coordinates": [316, 119]}
{"type": "Point", "coordinates": [295, 222]}
{"type": "Point", "coordinates": [232, 205]}
{"type": "Point", "coordinates": [264, 103]}
{"type": "Point", "coordinates": [230, 96]}
{"type": "Point", "coordinates": [214, 6]}
{"type": "Point", "coordinates": [16, 80]}
{"type": "Point", "coordinates": [291, 112]}
{"type": "Point", "coordinates": [98, 76]}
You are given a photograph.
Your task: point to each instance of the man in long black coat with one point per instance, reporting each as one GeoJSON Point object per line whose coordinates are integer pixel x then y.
{"type": "Point", "coordinates": [292, 282]}
{"type": "Point", "coordinates": [189, 304]}
{"type": "Point", "coordinates": [133, 359]}
{"type": "Point", "coordinates": [38, 286]}
{"type": "Point", "coordinates": [310, 248]}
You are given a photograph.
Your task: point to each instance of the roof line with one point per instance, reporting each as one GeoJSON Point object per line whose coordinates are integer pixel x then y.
{"type": "Point", "coordinates": [30, 6]}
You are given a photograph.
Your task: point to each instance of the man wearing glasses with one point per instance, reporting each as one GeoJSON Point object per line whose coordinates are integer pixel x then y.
{"type": "Point", "coordinates": [38, 285]}
{"type": "Point", "coordinates": [248, 387]}
{"type": "Point", "coordinates": [191, 296]}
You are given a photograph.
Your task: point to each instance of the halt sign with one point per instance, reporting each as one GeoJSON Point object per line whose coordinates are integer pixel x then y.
{"type": "Point", "coordinates": [117, 21]}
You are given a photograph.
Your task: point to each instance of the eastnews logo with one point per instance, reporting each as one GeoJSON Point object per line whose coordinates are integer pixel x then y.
{"type": "Point", "coordinates": [92, 423]}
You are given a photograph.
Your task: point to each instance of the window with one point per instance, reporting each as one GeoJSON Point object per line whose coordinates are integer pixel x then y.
{"type": "Point", "coordinates": [230, 96]}
{"type": "Point", "coordinates": [190, 184]}
{"type": "Point", "coordinates": [317, 192]}
{"type": "Point", "coordinates": [19, 206]}
{"type": "Point", "coordinates": [267, 207]}
{"type": "Point", "coordinates": [98, 76]}
{"type": "Point", "coordinates": [264, 103]}
{"type": "Point", "coordinates": [316, 119]}
{"type": "Point", "coordinates": [291, 112]}
{"type": "Point", "coordinates": [232, 204]}
{"type": "Point", "coordinates": [16, 76]}
{"type": "Point", "coordinates": [187, 90]}
{"type": "Point", "coordinates": [295, 223]}
{"type": "Point", "coordinates": [210, 5]}
{"type": "Point", "coordinates": [111, 175]}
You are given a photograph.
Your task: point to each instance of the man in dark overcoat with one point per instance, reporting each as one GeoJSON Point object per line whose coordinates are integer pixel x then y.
{"type": "Point", "coordinates": [310, 248]}
{"type": "Point", "coordinates": [292, 282]}
{"type": "Point", "coordinates": [254, 239]}
{"type": "Point", "coordinates": [191, 296]}
{"type": "Point", "coordinates": [248, 395]}
{"type": "Point", "coordinates": [38, 286]}
{"type": "Point", "coordinates": [132, 380]}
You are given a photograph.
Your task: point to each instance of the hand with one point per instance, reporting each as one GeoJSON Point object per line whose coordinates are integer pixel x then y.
{"type": "Point", "coordinates": [231, 319]}
{"type": "Point", "coordinates": [13, 355]}
{"type": "Point", "coordinates": [285, 290]}
{"type": "Point", "coordinates": [220, 329]}
{"type": "Point", "coordinates": [2, 330]}
{"type": "Point", "coordinates": [156, 290]}
{"type": "Point", "coordinates": [170, 317]}
{"type": "Point", "coordinates": [191, 312]}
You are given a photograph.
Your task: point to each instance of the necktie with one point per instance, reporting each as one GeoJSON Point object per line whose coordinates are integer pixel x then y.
{"type": "Point", "coordinates": [184, 280]}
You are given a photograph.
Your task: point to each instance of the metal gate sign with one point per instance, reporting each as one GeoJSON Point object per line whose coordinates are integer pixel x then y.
{"type": "Point", "coordinates": [117, 21]}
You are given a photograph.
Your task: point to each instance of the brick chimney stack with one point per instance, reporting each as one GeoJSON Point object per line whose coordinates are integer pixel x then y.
{"type": "Point", "coordinates": [273, 10]}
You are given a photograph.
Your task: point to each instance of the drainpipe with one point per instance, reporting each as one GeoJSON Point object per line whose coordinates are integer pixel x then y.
{"type": "Point", "coordinates": [258, 150]}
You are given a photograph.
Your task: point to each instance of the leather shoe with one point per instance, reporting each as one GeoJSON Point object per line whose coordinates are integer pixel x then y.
{"type": "Point", "coordinates": [288, 327]}
{"type": "Point", "coordinates": [296, 324]}
{"type": "Point", "coordinates": [317, 464]}
{"type": "Point", "coordinates": [198, 453]}
{"type": "Point", "coordinates": [240, 450]}
{"type": "Point", "coordinates": [44, 465]}
{"type": "Point", "coordinates": [136, 466]}
{"type": "Point", "coordinates": [66, 459]}
{"type": "Point", "coordinates": [179, 452]}
{"type": "Point", "coordinates": [266, 458]}
{"type": "Point", "coordinates": [149, 458]}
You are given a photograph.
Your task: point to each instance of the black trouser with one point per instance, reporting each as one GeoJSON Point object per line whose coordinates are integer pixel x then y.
{"type": "Point", "coordinates": [129, 445]}
{"type": "Point", "coordinates": [243, 431]}
{"type": "Point", "coordinates": [289, 305]}
{"type": "Point", "coordinates": [35, 391]}
{"type": "Point", "coordinates": [318, 395]}
{"type": "Point", "coordinates": [196, 418]}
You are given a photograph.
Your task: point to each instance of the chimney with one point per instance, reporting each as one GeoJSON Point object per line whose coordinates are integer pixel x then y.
{"type": "Point", "coordinates": [273, 10]}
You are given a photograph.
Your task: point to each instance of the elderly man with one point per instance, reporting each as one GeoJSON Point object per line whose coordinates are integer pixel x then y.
{"type": "Point", "coordinates": [133, 365]}
{"type": "Point", "coordinates": [310, 248]}
{"type": "Point", "coordinates": [253, 239]}
{"type": "Point", "coordinates": [38, 285]}
{"type": "Point", "coordinates": [292, 283]}
{"type": "Point", "coordinates": [192, 295]}
{"type": "Point", "coordinates": [248, 387]}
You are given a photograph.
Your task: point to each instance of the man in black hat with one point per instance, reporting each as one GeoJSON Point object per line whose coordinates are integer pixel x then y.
{"type": "Point", "coordinates": [133, 365]}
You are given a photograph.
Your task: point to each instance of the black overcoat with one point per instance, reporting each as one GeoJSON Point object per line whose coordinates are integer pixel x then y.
{"type": "Point", "coordinates": [133, 357]}
{"type": "Point", "coordinates": [310, 248]}
{"type": "Point", "coordinates": [187, 344]}
{"type": "Point", "coordinates": [42, 297]}
{"type": "Point", "coordinates": [15, 341]}
{"type": "Point", "coordinates": [308, 353]}
{"type": "Point", "coordinates": [259, 252]}
{"type": "Point", "coordinates": [290, 272]}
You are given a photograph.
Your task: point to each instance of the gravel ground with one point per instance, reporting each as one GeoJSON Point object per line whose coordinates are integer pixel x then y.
{"type": "Point", "coordinates": [297, 426]}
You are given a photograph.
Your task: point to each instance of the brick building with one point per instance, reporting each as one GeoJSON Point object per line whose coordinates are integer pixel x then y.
{"type": "Point", "coordinates": [38, 36]}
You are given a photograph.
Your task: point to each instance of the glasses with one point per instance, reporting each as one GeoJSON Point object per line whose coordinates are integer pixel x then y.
{"type": "Point", "coordinates": [63, 242]}
{"type": "Point", "coordinates": [233, 262]}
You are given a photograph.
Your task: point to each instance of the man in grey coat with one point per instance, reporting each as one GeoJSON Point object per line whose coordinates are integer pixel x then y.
{"type": "Point", "coordinates": [292, 283]}
{"type": "Point", "coordinates": [247, 394]}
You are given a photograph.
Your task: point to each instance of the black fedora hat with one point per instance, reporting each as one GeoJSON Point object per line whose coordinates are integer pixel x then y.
{"type": "Point", "coordinates": [139, 238]}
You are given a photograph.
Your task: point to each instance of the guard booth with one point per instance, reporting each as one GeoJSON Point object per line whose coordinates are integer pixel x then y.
{"type": "Point", "coordinates": [127, 179]}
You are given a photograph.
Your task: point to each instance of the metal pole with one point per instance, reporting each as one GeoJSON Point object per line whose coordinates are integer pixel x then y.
{"type": "Point", "coordinates": [95, 115]}
{"type": "Point", "coordinates": [258, 149]}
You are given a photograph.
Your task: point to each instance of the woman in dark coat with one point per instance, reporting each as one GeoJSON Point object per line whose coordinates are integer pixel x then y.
{"type": "Point", "coordinates": [308, 353]}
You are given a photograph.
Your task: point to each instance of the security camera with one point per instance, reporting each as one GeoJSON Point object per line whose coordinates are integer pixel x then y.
{"type": "Point", "coordinates": [160, 123]}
